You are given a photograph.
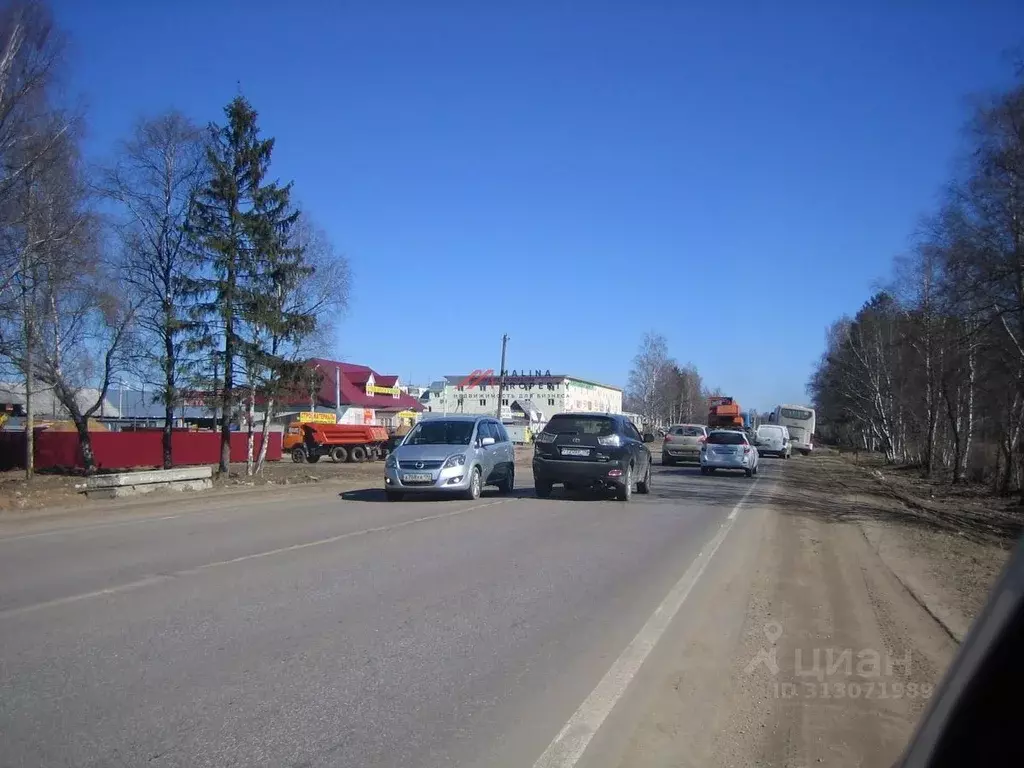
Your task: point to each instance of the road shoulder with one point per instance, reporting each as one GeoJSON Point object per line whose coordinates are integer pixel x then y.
{"type": "Point", "coordinates": [822, 633]}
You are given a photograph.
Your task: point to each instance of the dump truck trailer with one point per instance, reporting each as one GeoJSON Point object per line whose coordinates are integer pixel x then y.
{"type": "Point", "coordinates": [724, 412]}
{"type": "Point", "coordinates": [309, 442]}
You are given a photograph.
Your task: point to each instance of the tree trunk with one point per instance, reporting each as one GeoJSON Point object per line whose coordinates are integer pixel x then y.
{"type": "Point", "coordinates": [1004, 483]}
{"type": "Point", "coordinates": [168, 435]}
{"type": "Point", "coordinates": [1012, 447]}
{"type": "Point", "coordinates": [168, 399]}
{"type": "Point", "coordinates": [250, 457]}
{"type": "Point", "coordinates": [268, 415]}
{"type": "Point", "coordinates": [84, 443]}
{"type": "Point", "coordinates": [928, 460]}
{"type": "Point", "coordinates": [225, 404]}
{"type": "Point", "coordinates": [28, 312]}
{"type": "Point", "coordinates": [30, 421]}
{"type": "Point", "coordinates": [961, 468]}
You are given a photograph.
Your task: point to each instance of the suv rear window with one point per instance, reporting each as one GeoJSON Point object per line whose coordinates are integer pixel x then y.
{"type": "Point", "coordinates": [726, 438]}
{"type": "Point", "coordinates": [580, 425]}
{"type": "Point", "coordinates": [687, 431]}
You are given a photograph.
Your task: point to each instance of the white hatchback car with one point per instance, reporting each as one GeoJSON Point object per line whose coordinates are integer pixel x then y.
{"type": "Point", "coordinates": [773, 440]}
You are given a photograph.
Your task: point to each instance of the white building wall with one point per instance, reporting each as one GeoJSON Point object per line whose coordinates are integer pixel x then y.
{"type": "Point", "coordinates": [568, 395]}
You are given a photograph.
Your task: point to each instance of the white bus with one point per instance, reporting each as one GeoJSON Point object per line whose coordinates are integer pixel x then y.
{"type": "Point", "coordinates": [799, 419]}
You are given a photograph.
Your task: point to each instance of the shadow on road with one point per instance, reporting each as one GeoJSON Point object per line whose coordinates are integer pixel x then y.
{"type": "Point", "coordinates": [377, 494]}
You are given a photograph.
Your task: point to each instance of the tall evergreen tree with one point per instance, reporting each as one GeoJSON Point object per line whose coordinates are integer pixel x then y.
{"type": "Point", "coordinates": [228, 217]}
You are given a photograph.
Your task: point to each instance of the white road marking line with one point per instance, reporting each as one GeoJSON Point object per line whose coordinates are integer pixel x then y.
{"type": "Point", "coordinates": [569, 745]}
{"type": "Point", "coordinates": [349, 535]}
{"type": "Point", "coordinates": [155, 579]}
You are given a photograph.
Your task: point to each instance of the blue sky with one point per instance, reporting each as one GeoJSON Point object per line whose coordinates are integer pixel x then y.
{"type": "Point", "coordinates": [575, 174]}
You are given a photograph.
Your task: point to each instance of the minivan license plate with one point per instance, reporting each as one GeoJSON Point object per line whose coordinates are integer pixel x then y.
{"type": "Point", "coordinates": [416, 478]}
{"type": "Point", "coordinates": [575, 451]}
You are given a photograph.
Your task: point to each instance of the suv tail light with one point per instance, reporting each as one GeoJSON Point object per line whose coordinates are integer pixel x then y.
{"type": "Point", "coordinates": [746, 449]}
{"type": "Point", "coordinates": [702, 439]}
{"type": "Point", "coordinates": [668, 438]}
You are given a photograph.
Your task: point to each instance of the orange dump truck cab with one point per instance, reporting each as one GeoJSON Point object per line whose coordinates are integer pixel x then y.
{"type": "Point", "coordinates": [342, 442]}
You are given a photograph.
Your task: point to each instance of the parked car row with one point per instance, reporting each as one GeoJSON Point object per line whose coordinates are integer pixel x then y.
{"type": "Point", "coordinates": [717, 449]}
{"type": "Point", "coordinates": [462, 454]}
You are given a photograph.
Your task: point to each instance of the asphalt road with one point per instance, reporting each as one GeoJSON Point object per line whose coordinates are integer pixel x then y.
{"type": "Point", "coordinates": [327, 631]}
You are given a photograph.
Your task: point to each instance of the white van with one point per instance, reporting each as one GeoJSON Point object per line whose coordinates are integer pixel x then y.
{"type": "Point", "coordinates": [773, 440]}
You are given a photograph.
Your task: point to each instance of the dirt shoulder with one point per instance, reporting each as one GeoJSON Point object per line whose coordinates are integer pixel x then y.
{"type": "Point", "coordinates": [837, 608]}
{"type": "Point", "coordinates": [946, 545]}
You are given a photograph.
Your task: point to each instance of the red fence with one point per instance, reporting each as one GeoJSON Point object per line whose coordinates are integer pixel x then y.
{"type": "Point", "coordinates": [126, 450]}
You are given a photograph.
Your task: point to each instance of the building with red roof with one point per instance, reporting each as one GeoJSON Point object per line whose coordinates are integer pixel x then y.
{"type": "Point", "coordinates": [357, 392]}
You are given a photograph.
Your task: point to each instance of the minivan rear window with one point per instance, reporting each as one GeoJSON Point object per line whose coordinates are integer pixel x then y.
{"type": "Point", "coordinates": [726, 438]}
{"type": "Point", "coordinates": [580, 425]}
{"type": "Point", "coordinates": [687, 431]}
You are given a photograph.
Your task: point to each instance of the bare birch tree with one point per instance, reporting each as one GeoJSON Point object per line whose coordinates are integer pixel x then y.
{"type": "Point", "coordinates": [32, 133]}
{"type": "Point", "coordinates": [310, 303]}
{"type": "Point", "coordinates": [940, 380]}
{"type": "Point", "coordinates": [152, 181]}
{"type": "Point", "coordinates": [647, 378]}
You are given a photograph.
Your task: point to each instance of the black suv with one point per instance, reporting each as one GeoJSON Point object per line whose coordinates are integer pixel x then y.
{"type": "Point", "coordinates": [586, 450]}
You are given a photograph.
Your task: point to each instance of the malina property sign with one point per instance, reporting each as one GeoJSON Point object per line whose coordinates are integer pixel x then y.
{"type": "Point", "coordinates": [483, 378]}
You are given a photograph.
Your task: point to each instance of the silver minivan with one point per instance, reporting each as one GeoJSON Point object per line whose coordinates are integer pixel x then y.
{"type": "Point", "coordinates": [451, 454]}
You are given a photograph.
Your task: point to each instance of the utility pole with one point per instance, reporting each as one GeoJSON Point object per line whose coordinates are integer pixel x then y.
{"type": "Point", "coordinates": [501, 375]}
{"type": "Point", "coordinates": [337, 394]}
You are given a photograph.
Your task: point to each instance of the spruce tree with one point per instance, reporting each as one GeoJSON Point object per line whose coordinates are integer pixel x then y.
{"type": "Point", "coordinates": [228, 218]}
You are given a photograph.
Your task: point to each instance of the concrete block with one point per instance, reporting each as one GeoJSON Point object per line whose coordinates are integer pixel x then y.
{"type": "Point", "coordinates": [179, 474]}
{"type": "Point", "coordinates": [123, 491]}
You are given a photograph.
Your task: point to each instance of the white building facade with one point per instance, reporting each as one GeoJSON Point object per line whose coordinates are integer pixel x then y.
{"type": "Point", "coordinates": [535, 396]}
